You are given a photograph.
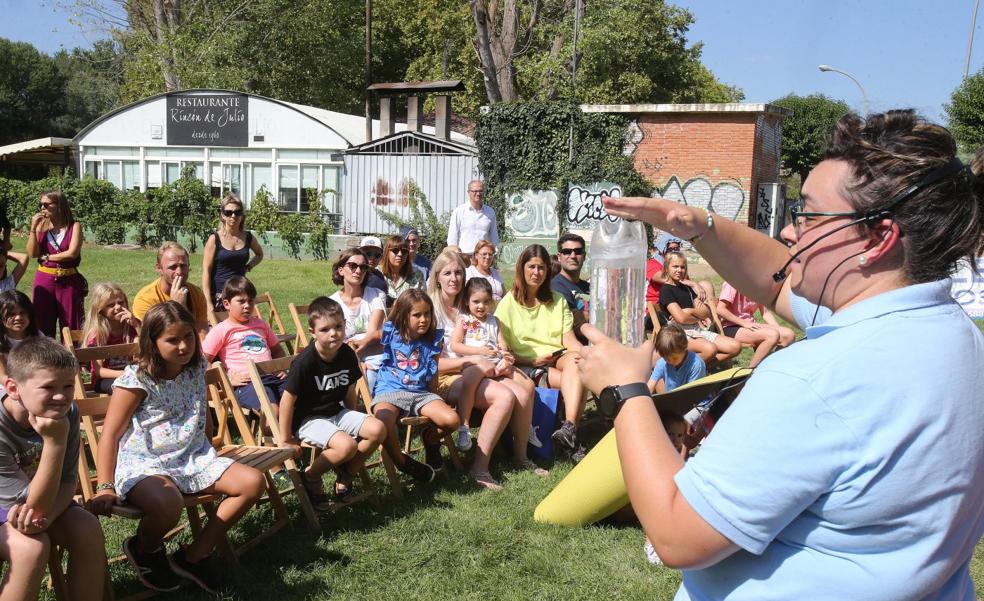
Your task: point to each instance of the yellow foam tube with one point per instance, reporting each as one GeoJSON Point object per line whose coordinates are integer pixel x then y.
{"type": "Point", "coordinates": [595, 489]}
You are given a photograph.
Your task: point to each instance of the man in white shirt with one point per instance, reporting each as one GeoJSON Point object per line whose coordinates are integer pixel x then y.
{"type": "Point", "coordinates": [473, 222]}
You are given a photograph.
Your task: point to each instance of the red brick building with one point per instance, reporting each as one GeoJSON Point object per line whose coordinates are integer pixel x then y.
{"type": "Point", "coordinates": [717, 156]}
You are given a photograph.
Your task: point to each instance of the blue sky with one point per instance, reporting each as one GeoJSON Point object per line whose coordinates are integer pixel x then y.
{"type": "Point", "coordinates": [906, 53]}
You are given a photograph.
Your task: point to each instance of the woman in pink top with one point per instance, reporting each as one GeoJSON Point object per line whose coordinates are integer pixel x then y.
{"type": "Point", "coordinates": [737, 314]}
{"type": "Point", "coordinates": [56, 241]}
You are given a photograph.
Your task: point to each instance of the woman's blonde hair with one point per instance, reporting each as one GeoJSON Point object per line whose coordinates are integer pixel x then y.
{"type": "Point", "coordinates": [478, 247]}
{"type": "Point", "coordinates": [434, 289]}
{"type": "Point", "coordinates": [96, 324]}
{"type": "Point", "coordinates": [673, 254]}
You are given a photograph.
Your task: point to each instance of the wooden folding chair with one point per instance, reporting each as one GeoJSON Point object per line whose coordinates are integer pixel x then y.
{"type": "Point", "coordinates": [256, 372]}
{"type": "Point", "coordinates": [71, 338]}
{"type": "Point", "coordinates": [409, 423]}
{"type": "Point", "coordinates": [654, 311]}
{"type": "Point", "coordinates": [301, 337]}
{"type": "Point", "coordinates": [274, 320]}
{"type": "Point", "coordinates": [92, 409]}
{"type": "Point", "coordinates": [362, 387]}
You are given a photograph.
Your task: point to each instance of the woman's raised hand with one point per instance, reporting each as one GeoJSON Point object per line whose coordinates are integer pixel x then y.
{"type": "Point", "coordinates": [678, 219]}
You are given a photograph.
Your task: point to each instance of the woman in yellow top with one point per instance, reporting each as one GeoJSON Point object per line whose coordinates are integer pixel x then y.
{"type": "Point", "coordinates": [538, 327]}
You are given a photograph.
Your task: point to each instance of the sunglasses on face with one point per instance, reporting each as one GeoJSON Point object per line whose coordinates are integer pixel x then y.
{"type": "Point", "coordinates": [353, 266]}
{"type": "Point", "coordinates": [372, 254]}
{"type": "Point", "coordinates": [45, 205]}
{"type": "Point", "coordinates": [574, 251]}
{"type": "Point", "coordinates": [232, 213]}
{"type": "Point", "coordinates": [399, 251]}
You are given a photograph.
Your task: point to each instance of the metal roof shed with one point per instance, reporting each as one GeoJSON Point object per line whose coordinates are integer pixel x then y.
{"type": "Point", "coordinates": [378, 175]}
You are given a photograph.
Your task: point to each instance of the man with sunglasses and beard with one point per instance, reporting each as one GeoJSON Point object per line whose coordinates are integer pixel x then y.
{"type": "Point", "coordinates": [568, 283]}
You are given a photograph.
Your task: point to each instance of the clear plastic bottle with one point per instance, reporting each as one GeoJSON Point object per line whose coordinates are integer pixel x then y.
{"type": "Point", "coordinates": [618, 280]}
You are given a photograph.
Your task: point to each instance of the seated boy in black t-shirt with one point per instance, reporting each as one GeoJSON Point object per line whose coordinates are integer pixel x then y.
{"type": "Point", "coordinates": [318, 405]}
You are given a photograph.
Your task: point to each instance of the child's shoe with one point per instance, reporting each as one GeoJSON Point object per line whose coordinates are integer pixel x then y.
{"type": "Point", "coordinates": [651, 555]}
{"type": "Point", "coordinates": [421, 472]}
{"type": "Point", "coordinates": [566, 435]}
{"type": "Point", "coordinates": [315, 490]}
{"type": "Point", "coordinates": [152, 569]}
{"type": "Point", "coordinates": [485, 480]}
{"type": "Point", "coordinates": [432, 455]}
{"type": "Point", "coordinates": [533, 440]}
{"type": "Point", "coordinates": [199, 572]}
{"type": "Point", "coordinates": [463, 440]}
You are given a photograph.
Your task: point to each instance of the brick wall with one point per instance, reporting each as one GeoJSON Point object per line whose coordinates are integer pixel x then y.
{"type": "Point", "coordinates": [712, 156]}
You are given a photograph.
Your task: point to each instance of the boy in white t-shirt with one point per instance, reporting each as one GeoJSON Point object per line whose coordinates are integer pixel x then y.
{"type": "Point", "coordinates": [241, 337]}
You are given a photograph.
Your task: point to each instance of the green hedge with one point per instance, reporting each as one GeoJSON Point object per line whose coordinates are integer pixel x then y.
{"type": "Point", "coordinates": [185, 206]}
{"type": "Point", "coordinates": [525, 146]}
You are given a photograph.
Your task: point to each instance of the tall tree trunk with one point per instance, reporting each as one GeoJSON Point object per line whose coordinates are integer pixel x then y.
{"type": "Point", "coordinates": [496, 52]}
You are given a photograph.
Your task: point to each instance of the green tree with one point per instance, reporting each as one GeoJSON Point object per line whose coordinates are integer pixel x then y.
{"type": "Point", "coordinates": [805, 132]}
{"type": "Point", "coordinates": [965, 112]}
{"type": "Point", "coordinates": [31, 94]}
{"type": "Point", "coordinates": [92, 83]}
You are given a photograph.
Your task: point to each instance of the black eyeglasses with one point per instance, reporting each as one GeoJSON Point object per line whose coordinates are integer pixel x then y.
{"type": "Point", "coordinates": [574, 251]}
{"type": "Point", "coordinates": [232, 213]}
{"type": "Point", "coordinates": [799, 216]}
{"type": "Point", "coordinates": [353, 266]}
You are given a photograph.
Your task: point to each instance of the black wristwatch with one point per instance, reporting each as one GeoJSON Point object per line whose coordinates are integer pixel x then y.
{"type": "Point", "coordinates": [611, 398]}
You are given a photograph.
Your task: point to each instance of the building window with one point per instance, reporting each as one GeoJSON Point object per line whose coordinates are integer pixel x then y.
{"type": "Point", "coordinates": [260, 176]}
{"type": "Point", "coordinates": [331, 183]}
{"type": "Point", "coordinates": [114, 173]}
{"type": "Point", "coordinates": [288, 192]}
{"type": "Point", "coordinates": [131, 175]}
{"type": "Point", "coordinates": [309, 187]}
{"type": "Point", "coordinates": [172, 172]}
{"type": "Point", "coordinates": [93, 169]}
{"type": "Point", "coordinates": [232, 178]}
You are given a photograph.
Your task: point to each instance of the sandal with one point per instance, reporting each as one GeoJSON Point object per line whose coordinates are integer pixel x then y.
{"type": "Point", "coordinates": [343, 485]}
{"type": "Point", "coordinates": [527, 464]}
{"type": "Point", "coordinates": [485, 480]}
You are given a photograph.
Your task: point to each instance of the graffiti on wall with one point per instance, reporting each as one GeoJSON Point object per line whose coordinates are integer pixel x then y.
{"type": "Point", "coordinates": [769, 209]}
{"type": "Point", "coordinates": [584, 206]}
{"type": "Point", "coordinates": [532, 213]}
{"type": "Point", "coordinates": [724, 198]}
{"type": "Point", "coordinates": [634, 135]}
{"type": "Point", "coordinates": [389, 197]}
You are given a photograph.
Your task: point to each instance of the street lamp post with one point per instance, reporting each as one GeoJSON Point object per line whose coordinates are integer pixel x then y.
{"type": "Point", "coordinates": [864, 95]}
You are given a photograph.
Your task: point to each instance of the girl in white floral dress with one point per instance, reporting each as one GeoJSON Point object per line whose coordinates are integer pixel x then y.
{"type": "Point", "coordinates": [154, 449]}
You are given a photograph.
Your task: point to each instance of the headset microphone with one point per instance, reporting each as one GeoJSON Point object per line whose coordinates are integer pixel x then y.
{"type": "Point", "coordinates": [781, 274]}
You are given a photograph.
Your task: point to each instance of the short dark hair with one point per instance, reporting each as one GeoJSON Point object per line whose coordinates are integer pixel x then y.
{"type": "Point", "coordinates": [891, 153]}
{"type": "Point", "coordinates": [39, 352]}
{"type": "Point", "coordinates": [569, 237]}
{"type": "Point", "coordinates": [324, 308]}
{"type": "Point", "coordinates": [400, 313]}
{"type": "Point", "coordinates": [236, 286]}
{"type": "Point", "coordinates": [670, 340]}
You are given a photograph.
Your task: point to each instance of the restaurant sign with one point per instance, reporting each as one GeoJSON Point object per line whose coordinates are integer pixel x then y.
{"type": "Point", "coordinates": [208, 120]}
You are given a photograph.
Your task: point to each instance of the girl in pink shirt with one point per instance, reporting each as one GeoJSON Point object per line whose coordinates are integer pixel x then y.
{"type": "Point", "coordinates": [737, 314]}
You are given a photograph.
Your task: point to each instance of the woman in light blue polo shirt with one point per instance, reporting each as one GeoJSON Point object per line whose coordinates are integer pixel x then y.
{"type": "Point", "coordinates": [851, 465]}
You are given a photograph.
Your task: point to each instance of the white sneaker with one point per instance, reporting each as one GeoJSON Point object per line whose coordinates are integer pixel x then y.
{"type": "Point", "coordinates": [651, 555]}
{"type": "Point", "coordinates": [533, 440]}
{"type": "Point", "coordinates": [463, 441]}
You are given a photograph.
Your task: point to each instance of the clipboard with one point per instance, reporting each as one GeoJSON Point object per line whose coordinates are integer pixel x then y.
{"type": "Point", "coordinates": [686, 397]}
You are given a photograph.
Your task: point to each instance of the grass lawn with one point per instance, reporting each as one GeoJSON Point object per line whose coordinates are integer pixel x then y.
{"type": "Point", "coordinates": [444, 540]}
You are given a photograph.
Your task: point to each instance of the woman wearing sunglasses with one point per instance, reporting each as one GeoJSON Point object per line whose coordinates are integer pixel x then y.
{"type": "Point", "coordinates": [56, 241]}
{"type": "Point", "coordinates": [364, 308]}
{"type": "Point", "coordinates": [850, 465]}
{"type": "Point", "coordinates": [398, 270]}
{"type": "Point", "coordinates": [227, 252]}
